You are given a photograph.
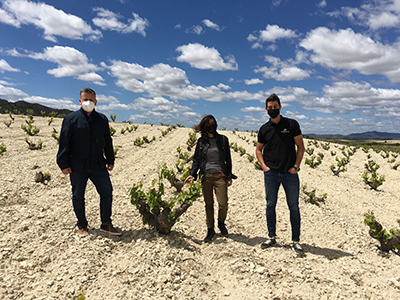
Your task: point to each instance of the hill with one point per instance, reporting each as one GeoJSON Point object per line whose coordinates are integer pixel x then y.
{"type": "Point", "coordinates": [20, 108]}
{"type": "Point", "coordinates": [370, 135]}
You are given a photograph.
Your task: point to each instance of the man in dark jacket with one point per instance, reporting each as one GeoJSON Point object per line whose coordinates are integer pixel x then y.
{"type": "Point", "coordinates": [85, 134]}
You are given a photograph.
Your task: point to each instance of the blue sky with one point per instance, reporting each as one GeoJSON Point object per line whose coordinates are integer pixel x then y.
{"type": "Point", "coordinates": [334, 64]}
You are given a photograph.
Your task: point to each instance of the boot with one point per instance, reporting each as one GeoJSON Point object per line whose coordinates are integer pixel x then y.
{"type": "Point", "coordinates": [210, 235]}
{"type": "Point", "coordinates": [221, 226]}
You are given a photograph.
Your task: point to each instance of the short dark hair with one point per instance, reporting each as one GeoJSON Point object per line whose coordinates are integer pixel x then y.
{"type": "Point", "coordinates": [271, 98]}
{"type": "Point", "coordinates": [87, 90]}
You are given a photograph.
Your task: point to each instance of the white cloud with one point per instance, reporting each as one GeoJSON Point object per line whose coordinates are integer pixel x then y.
{"type": "Point", "coordinates": [375, 14]}
{"type": "Point", "coordinates": [202, 57]}
{"type": "Point", "coordinates": [345, 97]}
{"type": "Point", "coordinates": [197, 29]}
{"type": "Point", "coordinates": [55, 103]}
{"type": "Point", "coordinates": [270, 34]}
{"type": "Point", "coordinates": [161, 109]}
{"type": "Point", "coordinates": [322, 3]}
{"type": "Point", "coordinates": [211, 24]}
{"type": "Point", "coordinates": [345, 49]}
{"type": "Point", "coordinates": [4, 66]}
{"type": "Point", "coordinates": [108, 20]}
{"type": "Point", "coordinates": [253, 109]}
{"type": "Point", "coordinates": [71, 63]}
{"type": "Point", "coordinates": [52, 21]}
{"type": "Point", "coordinates": [253, 81]}
{"type": "Point", "coordinates": [282, 70]}
{"type": "Point", "coordinates": [11, 93]}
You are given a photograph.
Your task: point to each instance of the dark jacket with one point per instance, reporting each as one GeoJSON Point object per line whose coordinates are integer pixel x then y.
{"type": "Point", "coordinates": [82, 141]}
{"type": "Point", "coordinates": [199, 158]}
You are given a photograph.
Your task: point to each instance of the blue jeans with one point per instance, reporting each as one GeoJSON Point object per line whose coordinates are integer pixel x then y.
{"type": "Point", "coordinates": [102, 182]}
{"type": "Point", "coordinates": [291, 185]}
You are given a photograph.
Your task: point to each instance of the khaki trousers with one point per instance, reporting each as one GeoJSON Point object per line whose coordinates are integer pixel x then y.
{"type": "Point", "coordinates": [215, 182]}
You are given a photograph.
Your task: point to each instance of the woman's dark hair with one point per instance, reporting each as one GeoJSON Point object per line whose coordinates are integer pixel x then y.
{"type": "Point", "coordinates": [201, 127]}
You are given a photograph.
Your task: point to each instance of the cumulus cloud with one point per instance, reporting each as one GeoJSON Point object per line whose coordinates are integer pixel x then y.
{"type": "Point", "coordinates": [374, 15]}
{"type": "Point", "coordinates": [282, 70]}
{"type": "Point", "coordinates": [211, 25]}
{"type": "Point", "coordinates": [52, 21]}
{"type": "Point", "coordinates": [270, 34]}
{"type": "Point", "coordinates": [253, 109]}
{"type": "Point", "coordinates": [161, 109]}
{"type": "Point", "coordinates": [108, 20]}
{"type": "Point", "coordinates": [344, 97]}
{"type": "Point", "coordinates": [71, 63]}
{"type": "Point", "coordinates": [55, 103]}
{"type": "Point", "coordinates": [202, 57]}
{"type": "Point", "coordinates": [11, 93]}
{"type": "Point", "coordinates": [4, 66]}
{"type": "Point", "coordinates": [345, 49]}
{"type": "Point", "coordinates": [253, 81]}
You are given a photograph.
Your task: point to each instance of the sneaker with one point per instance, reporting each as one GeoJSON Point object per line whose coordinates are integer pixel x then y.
{"type": "Point", "coordinates": [111, 230]}
{"type": "Point", "coordinates": [297, 248]}
{"type": "Point", "coordinates": [268, 243]}
{"type": "Point", "coordinates": [83, 231]}
{"type": "Point", "coordinates": [221, 226]}
{"type": "Point", "coordinates": [210, 235]}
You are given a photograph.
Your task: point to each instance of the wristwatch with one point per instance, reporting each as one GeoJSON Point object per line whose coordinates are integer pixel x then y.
{"type": "Point", "coordinates": [296, 168]}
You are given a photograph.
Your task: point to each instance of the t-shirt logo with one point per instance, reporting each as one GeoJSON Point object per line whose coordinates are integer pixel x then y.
{"type": "Point", "coordinates": [285, 131]}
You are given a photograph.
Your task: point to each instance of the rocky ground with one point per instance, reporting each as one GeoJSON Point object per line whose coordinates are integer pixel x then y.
{"type": "Point", "coordinates": [41, 256]}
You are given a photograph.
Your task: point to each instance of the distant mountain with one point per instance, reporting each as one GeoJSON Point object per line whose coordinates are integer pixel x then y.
{"type": "Point", "coordinates": [370, 135]}
{"type": "Point", "coordinates": [20, 107]}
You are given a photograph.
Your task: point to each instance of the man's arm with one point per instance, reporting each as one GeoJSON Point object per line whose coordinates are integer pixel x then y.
{"type": "Point", "coordinates": [300, 149]}
{"type": "Point", "coordinates": [260, 158]}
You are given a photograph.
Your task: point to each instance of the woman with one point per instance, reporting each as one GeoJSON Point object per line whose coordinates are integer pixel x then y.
{"type": "Point", "coordinates": [212, 159]}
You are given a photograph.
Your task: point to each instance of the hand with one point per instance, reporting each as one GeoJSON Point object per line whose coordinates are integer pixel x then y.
{"type": "Point", "coordinates": [188, 179]}
{"type": "Point", "coordinates": [110, 167]}
{"type": "Point", "coordinates": [292, 170]}
{"type": "Point", "coordinates": [229, 182]}
{"type": "Point", "coordinates": [266, 169]}
{"type": "Point", "coordinates": [66, 171]}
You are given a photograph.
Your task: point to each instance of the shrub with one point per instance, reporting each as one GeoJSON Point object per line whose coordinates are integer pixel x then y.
{"type": "Point", "coordinates": [115, 151]}
{"type": "Point", "coordinates": [55, 136]}
{"type": "Point", "coordinates": [33, 146]}
{"type": "Point", "coordinates": [257, 165]}
{"type": "Point", "coordinates": [42, 177]}
{"type": "Point", "coordinates": [162, 213]}
{"type": "Point", "coordinates": [112, 131]}
{"type": "Point", "coordinates": [30, 129]}
{"type": "Point", "coordinates": [370, 176]}
{"type": "Point", "coordinates": [309, 151]}
{"type": "Point", "coordinates": [312, 198]}
{"type": "Point", "coordinates": [7, 123]}
{"type": "Point", "coordinates": [314, 161]}
{"type": "Point", "coordinates": [388, 240]}
{"type": "Point", "coordinates": [340, 166]}
{"type": "Point", "coordinates": [191, 141]}
{"type": "Point", "coordinates": [113, 117]}
{"type": "Point", "coordinates": [2, 148]}
{"type": "Point", "coordinates": [50, 120]}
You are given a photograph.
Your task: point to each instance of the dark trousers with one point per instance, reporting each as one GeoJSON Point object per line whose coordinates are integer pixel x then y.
{"type": "Point", "coordinates": [102, 182]}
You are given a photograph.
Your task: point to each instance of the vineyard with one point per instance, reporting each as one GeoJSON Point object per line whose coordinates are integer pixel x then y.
{"type": "Point", "coordinates": [41, 257]}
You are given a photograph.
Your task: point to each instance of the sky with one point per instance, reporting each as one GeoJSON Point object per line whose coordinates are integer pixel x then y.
{"type": "Point", "coordinates": [334, 64]}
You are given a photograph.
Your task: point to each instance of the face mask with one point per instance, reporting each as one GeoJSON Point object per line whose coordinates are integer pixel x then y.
{"type": "Point", "coordinates": [273, 113]}
{"type": "Point", "coordinates": [211, 128]}
{"type": "Point", "coordinates": [88, 106]}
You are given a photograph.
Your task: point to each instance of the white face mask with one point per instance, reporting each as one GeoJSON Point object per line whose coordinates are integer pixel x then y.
{"type": "Point", "coordinates": [88, 106]}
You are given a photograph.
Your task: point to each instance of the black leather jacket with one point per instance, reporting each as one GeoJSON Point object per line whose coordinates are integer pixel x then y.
{"type": "Point", "coordinates": [199, 159]}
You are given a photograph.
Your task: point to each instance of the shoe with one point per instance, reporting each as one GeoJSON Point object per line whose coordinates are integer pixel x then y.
{"type": "Point", "coordinates": [111, 230]}
{"type": "Point", "coordinates": [268, 243]}
{"type": "Point", "coordinates": [221, 226]}
{"type": "Point", "coordinates": [210, 235]}
{"type": "Point", "coordinates": [83, 231]}
{"type": "Point", "coordinates": [297, 248]}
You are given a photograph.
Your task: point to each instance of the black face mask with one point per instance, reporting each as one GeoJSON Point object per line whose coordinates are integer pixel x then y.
{"type": "Point", "coordinates": [211, 128]}
{"type": "Point", "coordinates": [273, 113]}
